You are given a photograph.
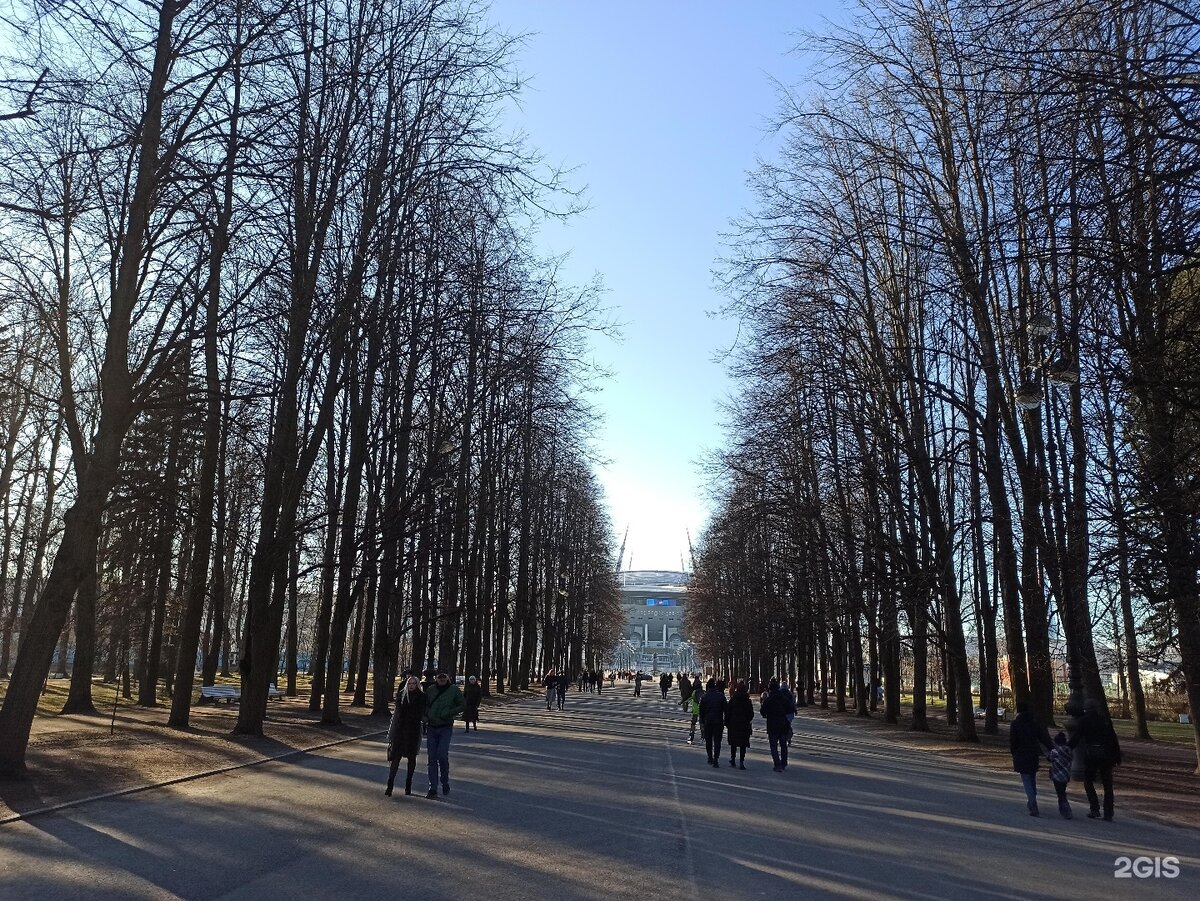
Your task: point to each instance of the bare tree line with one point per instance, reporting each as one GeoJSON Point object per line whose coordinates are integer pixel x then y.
{"type": "Point", "coordinates": [966, 423]}
{"type": "Point", "coordinates": [282, 379]}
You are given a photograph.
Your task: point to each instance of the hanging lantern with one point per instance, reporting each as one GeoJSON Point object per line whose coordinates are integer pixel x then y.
{"type": "Point", "coordinates": [1063, 371]}
{"type": "Point", "coordinates": [1029, 395]}
{"type": "Point", "coordinates": [1039, 325]}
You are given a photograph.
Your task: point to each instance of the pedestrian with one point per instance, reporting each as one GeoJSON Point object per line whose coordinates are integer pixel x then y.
{"type": "Point", "coordinates": [775, 707]}
{"type": "Point", "coordinates": [560, 695]}
{"type": "Point", "coordinates": [443, 703]}
{"type": "Point", "coordinates": [1025, 735]}
{"type": "Point", "coordinates": [694, 702]}
{"type": "Point", "coordinates": [685, 691]}
{"type": "Point", "coordinates": [472, 697]}
{"type": "Point", "coordinates": [404, 734]}
{"type": "Point", "coordinates": [739, 720]}
{"type": "Point", "coordinates": [1061, 758]}
{"type": "Point", "coordinates": [550, 683]}
{"type": "Point", "coordinates": [637, 684]}
{"type": "Point", "coordinates": [712, 713]}
{"type": "Point", "coordinates": [1101, 752]}
{"type": "Point", "coordinates": [791, 717]}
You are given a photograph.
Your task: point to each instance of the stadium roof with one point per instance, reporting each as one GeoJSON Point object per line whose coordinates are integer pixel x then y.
{"type": "Point", "coordinates": [656, 580]}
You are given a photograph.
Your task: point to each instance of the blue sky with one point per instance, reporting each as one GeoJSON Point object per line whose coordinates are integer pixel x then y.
{"type": "Point", "coordinates": [662, 107]}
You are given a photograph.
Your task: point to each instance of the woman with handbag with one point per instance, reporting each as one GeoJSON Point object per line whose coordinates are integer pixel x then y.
{"type": "Point", "coordinates": [404, 735]}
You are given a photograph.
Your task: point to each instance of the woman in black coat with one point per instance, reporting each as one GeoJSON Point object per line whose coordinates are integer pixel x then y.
{"type": "Point", "coordinates": [739, 719]}
{"type": "Point", "coordinates": [472, 696]}
{"type": "Point", "coordinates": [404, 735]}
{"type": "Point", "coordinates": [1026, 738]}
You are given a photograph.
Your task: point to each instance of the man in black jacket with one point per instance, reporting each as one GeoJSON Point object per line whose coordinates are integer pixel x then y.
{"type": "Point", "coordinates": [712, 714]}
{"type": "Point", "coordinates": [777, 704]}
{"type": "Point", "coordinates": [1101, 752]}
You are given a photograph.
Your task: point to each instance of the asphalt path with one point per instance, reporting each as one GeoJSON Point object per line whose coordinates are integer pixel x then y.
{"type": "Point", "coordinates": [602, 800]}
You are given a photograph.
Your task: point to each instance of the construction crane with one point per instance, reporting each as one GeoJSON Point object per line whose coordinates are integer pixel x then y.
{"type": "Point", "coordinates": [691, 550]}
{"type": "Point", "coordinates": [621, 555]}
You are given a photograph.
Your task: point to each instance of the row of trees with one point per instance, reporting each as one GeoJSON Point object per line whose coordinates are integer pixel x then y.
{"type": "Point", "coordinates": [280, 374]}
{"type": "Point", "coordinates": [967, 414]}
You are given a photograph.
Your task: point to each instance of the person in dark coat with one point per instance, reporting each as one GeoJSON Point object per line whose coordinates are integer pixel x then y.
{"type": "Point", "coordinates": [472, 697]}
{"type": "Point", "coordinates": [404, 735]}
{"type": "Point", "coordinates": [685, 690]}
{"type": "Point", "coordinates": [712, 714]}
{"type": "Point", "coordinates": [1026, 739]}
{"type": "Point", "coordinates": [776, 707]}
{"type": "Point", "coordinates": [1101, 752]}
{"type": "Point", "coordinates": [564, 682]}
{"type": "Point", "coordinates": [739, 719]}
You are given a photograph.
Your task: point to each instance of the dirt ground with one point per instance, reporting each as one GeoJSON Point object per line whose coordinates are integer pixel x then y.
{"type": "Point", "coordinates": [75, 757]}
{"type": "Point", "coordinates": [1156, 780]}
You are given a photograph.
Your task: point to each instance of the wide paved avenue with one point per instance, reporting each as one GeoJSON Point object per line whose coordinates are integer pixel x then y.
{"type": "Point", "coordinates": [603, 800]}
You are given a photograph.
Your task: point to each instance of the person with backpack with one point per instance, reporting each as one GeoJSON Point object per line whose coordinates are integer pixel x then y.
{"type": "Point", "coordinates": [776, 708]}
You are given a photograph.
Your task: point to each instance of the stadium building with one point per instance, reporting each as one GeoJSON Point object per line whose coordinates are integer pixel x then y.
{"type": "Point", "coordinates": [653, 602]}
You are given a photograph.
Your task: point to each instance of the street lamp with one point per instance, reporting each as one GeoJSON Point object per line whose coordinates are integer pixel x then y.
{"type": "Point", "coordinates": [1059, 368]}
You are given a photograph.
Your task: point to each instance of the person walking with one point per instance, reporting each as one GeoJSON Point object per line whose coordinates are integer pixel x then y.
{"type": "Point", "coordinates": [739, 723]}
{"type": "Point", "coordinates": [443, 703]}
{"type": "Point", "coordinates": [550, 683]}
{"type": "Point", "coordinates": [404, 734]}
{"type": "Point", "coordinates": [560, 695]}
{"type": "Point", "coordinates": [694, 702]}
{"type": "Point", "coordinates": [637, 684]}
{"type": "Point", "coordinates": [664, 685]}
{"type": "Point", "coordinates": [712, 713]}
{"type": "Point", "coordinates": [1061, 758]}
{"type": "Point", "coordinates": [1101, 752]}
{"type": "Point", "coordinates": [472, 698]}
{"type": "Point", "coordinates": [685, 690]}
{"type": "Point", "coordinates": [1026, 738]}
{"type": "Point", "coordinates": [775, 708]}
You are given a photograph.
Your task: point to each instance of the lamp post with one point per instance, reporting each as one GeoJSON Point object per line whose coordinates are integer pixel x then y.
{"type": "Point", "coordinates": [1056, 367]}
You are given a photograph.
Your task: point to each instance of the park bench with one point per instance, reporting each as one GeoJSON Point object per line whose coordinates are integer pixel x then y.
{"type": "Point", "coordinates": [224, 693]}
{"type": "Point", "coordinates": [230, 693]}
{"type": "Point", "coordinates": [1001, 713]}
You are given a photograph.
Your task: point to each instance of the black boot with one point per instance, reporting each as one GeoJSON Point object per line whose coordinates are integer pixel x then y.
{"type": "Point", "coordinates": [388, 791]}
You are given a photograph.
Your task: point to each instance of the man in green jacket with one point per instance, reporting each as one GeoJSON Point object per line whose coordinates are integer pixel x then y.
{"type": "Point", "coordinates": [443, 703]}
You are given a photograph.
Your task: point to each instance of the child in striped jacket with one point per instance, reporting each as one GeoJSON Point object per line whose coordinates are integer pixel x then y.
{"type": "Point", "coordinates": [1060, 772]}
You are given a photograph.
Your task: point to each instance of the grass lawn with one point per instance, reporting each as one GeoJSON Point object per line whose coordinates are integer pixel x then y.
{"type": "Point", "coordinates": [104, 694]}
{"type": "Point", "coordinates": [1168, 733]}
